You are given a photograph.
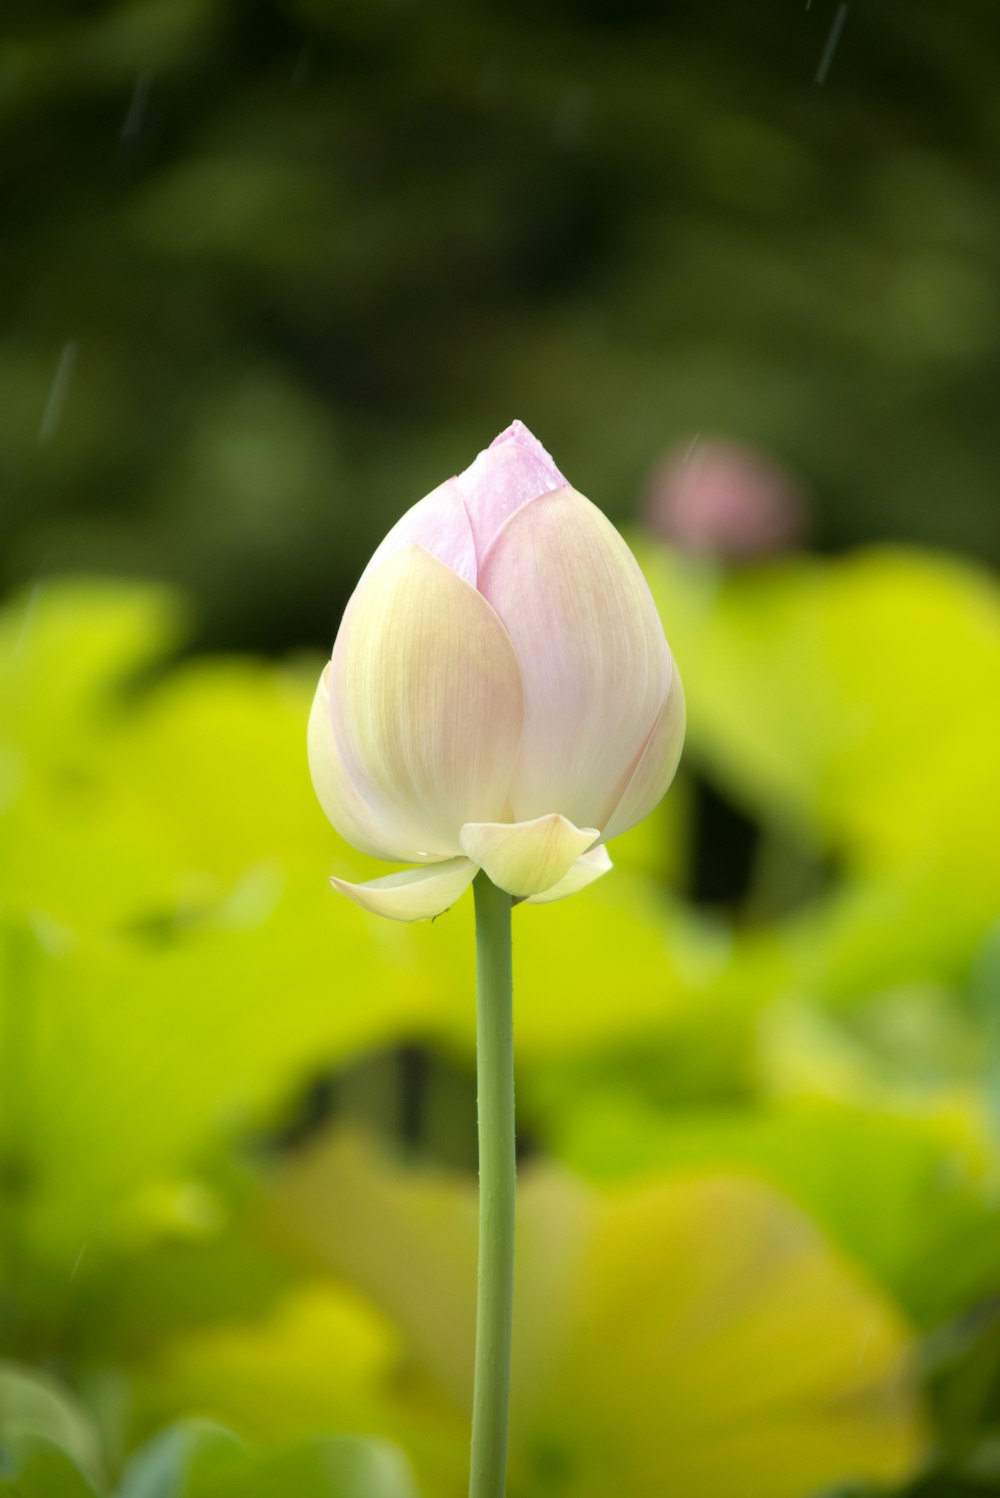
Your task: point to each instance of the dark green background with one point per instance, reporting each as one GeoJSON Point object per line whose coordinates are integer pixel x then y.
{"type": "Point", "coordinates": [300, 260]}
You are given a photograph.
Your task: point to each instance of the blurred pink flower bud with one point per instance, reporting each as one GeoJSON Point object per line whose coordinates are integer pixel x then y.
{"type": "Point", "coordinates": [722, 499]}
{"type": "Point", "coordinates": [500, 696]}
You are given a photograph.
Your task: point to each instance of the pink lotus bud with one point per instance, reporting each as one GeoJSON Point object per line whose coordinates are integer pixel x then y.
{"type": "Point", "coordinates": [500, 696]}
{"type": "Point", "coordinates": [726, 500]}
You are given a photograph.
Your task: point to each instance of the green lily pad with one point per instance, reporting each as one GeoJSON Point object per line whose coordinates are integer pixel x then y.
{"type": "Point", "coordinates": [199, 1460]}
{"type": "Point", "coordinates": [183, 1461]}
{"type": "Point", "coordinates": [41, 1470]}
{"type": "Point", "coordinates": [34, 1408]}
{"type": "Point", "coordinates": [675, 1335]}
{"type": "Point", "coordinates": [329, 1467]}
{"type": "Point", "coordinates": [321, 1358]}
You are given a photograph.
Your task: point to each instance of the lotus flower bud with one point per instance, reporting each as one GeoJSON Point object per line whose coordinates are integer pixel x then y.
{"type": "Point", "coordinates": [500, 696]}
{"type": "Point", "coordinates": [726, 500]}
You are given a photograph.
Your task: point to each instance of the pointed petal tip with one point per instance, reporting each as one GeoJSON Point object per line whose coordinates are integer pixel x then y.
{"type": "Point", "coordinates": [510, 473]}
{"type": "Point", "coordinates": [520, 435]}
{"type": "Point", "coordinates": [588, 867]}
{"type": "Point", "coordinates": [510, 433]}
{"type": "Point", "coordinates": [532, 456]}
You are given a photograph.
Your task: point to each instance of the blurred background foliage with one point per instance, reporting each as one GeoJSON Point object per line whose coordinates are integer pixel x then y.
{"type": "Point", "coordinates": [271, 271]}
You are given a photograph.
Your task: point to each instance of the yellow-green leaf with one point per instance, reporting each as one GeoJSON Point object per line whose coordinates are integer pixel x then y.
{"type": "Point", "coordinates": [679, 1335]}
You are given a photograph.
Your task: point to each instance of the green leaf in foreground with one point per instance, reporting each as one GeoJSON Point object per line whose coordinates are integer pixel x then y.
{"type": "Point", "coordinates": [198, 1460]}
{"type": "Point", "coordinates": [675, 1336]}
{"type": "Point", "coordinates": [35, 1409]}
{"type": "Point", "coordinates": [37, 1469]}
{"type": "Point", "coordinates": [902, 1175]}
{"type": "Point", "coordinates": [330, 1467]}
{"type": "Point", "coordinates": [184, 1461]}
{"type": "Point", "coordinates": [320, 1359]}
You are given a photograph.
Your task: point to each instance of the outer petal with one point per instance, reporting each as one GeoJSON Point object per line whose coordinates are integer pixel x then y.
{"type": "Point", "coordinates": [590, 646]}
{"type": "Point", "coordinates": [656, 765]}
{"type": "Point", "coordinates": [338, 795]}
{"type": "Point", "coordinates": [513, 470]}
{"type": "Point", "coordinates": [414, 895]}
{"type": "Point", "coordinates": [426, 700]}
{"type": "Point", "coordinates": [439, 522]}
{"type": "Point", "coordinates": [526, 858]}
{"type": "Point", "coordinates": [586, 869]}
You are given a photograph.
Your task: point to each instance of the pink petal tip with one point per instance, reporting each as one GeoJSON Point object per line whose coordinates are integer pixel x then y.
{"type": "Point", "coordinates": [511, 472]}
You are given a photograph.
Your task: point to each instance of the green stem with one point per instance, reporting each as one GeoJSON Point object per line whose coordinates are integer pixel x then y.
{"type": "Point", "coordinates": [495, 1073]}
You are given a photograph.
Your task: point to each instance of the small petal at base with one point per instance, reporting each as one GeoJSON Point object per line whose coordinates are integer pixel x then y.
{"type": "Point", "coordinates": [415, 894]}
{"type": "Point", "coordinates": [526, 858]}
{"type": "Point", "coordinates": [586, 869]}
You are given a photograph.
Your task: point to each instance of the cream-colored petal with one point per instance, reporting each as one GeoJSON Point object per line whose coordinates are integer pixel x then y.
{"type": "Point", "coordinates": [415, 894]}
{"type": "Point", "coordinates": [656, 766]}
{"type": "Point", "coordinates": [427, 700]}
{"type": "Point", "coordinates": [590, 647]}
{"type": "Point", "coordinates": [338, 795]}
{"type": "Point", "coordinates": [526, 858]}
{"type": "Point", "coordinates": [586, 869]}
